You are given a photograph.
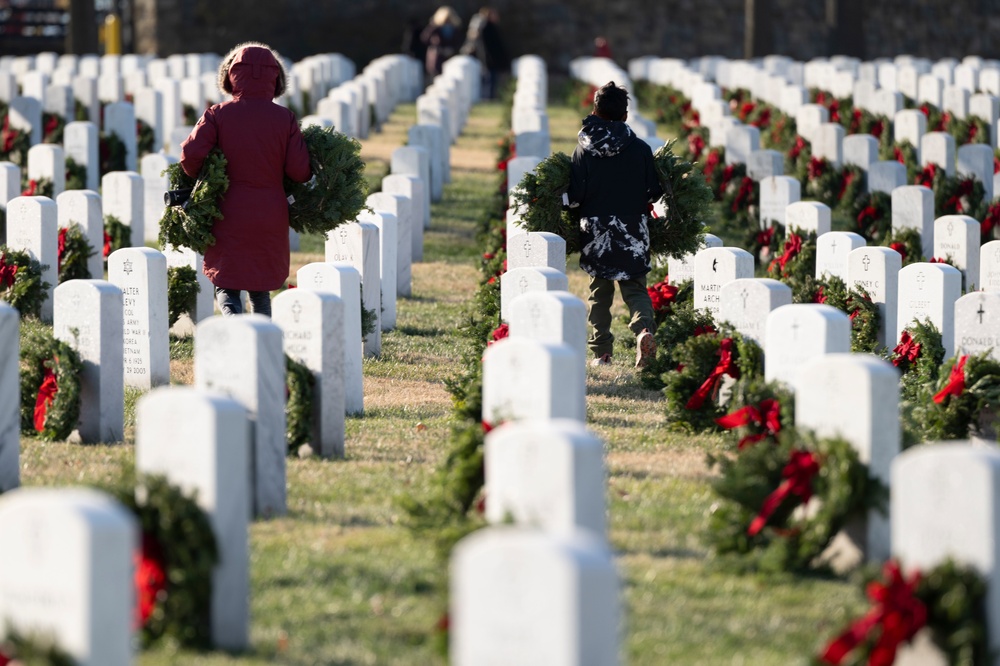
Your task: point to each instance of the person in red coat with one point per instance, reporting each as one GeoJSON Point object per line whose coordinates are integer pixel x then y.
{"type": "Point", "coordinates": [262, 143]}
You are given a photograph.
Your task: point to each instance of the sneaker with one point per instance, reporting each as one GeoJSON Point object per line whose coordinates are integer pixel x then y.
{"type": "Point", "coordinates": [645, 348]}
{"type": "Point", "coordinates": [604, 359]}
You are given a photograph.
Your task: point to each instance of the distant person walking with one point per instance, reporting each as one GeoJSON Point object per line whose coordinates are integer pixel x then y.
{"type": "Point", "coordinates": [483, 41]}
{"type": "Point", "coordinates": [601, 48]}
{"type": "Point", "coordinates": [412, 44]}
{"type": "Point", "coordinates": [443, 38]}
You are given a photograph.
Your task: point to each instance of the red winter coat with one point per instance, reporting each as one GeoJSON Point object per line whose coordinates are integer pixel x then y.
{"type": "Point", "coordinates": [262, 143]}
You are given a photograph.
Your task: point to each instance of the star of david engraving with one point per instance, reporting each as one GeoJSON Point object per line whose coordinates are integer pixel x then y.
{"type": "Point", "coordinates": [127, 267]}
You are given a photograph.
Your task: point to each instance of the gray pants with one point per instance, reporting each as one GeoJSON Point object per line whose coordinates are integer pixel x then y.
{"type": "Point", "coordinates": [231, 301]}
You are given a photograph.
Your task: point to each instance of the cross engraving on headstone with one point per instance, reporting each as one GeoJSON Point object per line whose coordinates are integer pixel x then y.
{"type": "Point", "coordinates": [833, 246]}
{"type": "Point", "coordinates": [318, 280]}
{"type": "Point", "coordinates": [527, 247]}
{"type": "Point", "coordinates": [296, 311]}
{"type": "Point", "coordinates": [795, 329]}
{"type": "Point", "coordinates": [866, 262]}
{"type": "Point", "coordinates": [980, 312]}
{"type": "Point", "coordinates": [343, 234]}
{"type": "Point", "coordinates": [744, 295]}
{"type": "Point", "coordinates": [921, 278]}
{"type": "Point", "coordinates": [523, 284]}
{"type": "Point", "coordinates": [951, 227]}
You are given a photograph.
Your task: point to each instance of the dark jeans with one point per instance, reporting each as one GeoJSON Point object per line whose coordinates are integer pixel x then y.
{"type": "Point", "coordinates": [602, 293]}
{"type": "Point", "coordinates": [231, 301]}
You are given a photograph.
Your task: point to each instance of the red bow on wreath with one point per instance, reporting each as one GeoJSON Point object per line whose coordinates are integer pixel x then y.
{"type": "Point", "coordinates": [51, 126]}
{"type": "Point", "coordinates": [817, 167]}
{"type": "Point", "coordinates": [899, 247]}
{"type": "Point", "coordinates": [956, 382]}
{"type": "Point", "coordinates": [662, 295]}
{"type": "Point", "coordinates": [766, 415]}
{"type": "Point", "coordinates": [499, 333]}
{"type": "Point", "coordinates": [46, 394]}
{"type": "Point", "coordinates": [32, 188]}
{"type": "Point", "coordinates": [926, 177]}
{"type": "Point", "coordinates": [61, 248]}
{"type": "Point", "coordinates": [765, 237]}
{"type": "Point", "coordinates": [792, 248]}
{"type": "Point", "coordinates": [797, 147]}
{"type": "Point", "coordinates": [711, 162]}
{"type": "Point", "coordinates": [798, 474]}
{"type": "Point", "coordinates": [8, 135]}
{"type": "Point", "coordinates": [743, 196]}
{"type": "Point", "coordinates": [725, 366]}
{"type": "Point", "coordinates": [908, 349]}
{"type": "Point", "coordinates": [8, 272]}
{"type": "Point", "coordinates": [897, 612]}
{"type": "Point", "coordinates": [990, 222]}
{"type": "Point", "coordinates": [107, 244]}
{"type": "Point", "coordinates": [150, 578]}
{"type": "Point", "coordinates": [845, 182]}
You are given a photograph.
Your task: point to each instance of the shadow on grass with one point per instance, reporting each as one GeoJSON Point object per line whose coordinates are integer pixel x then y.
{"type": "Point", "coordinates": [625, 391]}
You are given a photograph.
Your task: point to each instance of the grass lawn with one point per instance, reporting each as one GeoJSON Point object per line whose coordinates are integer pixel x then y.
{"type": "Point", "coordinates": [340, 580]}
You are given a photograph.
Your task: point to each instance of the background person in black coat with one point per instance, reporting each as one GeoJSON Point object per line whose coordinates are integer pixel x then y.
{"type": "Point", "coordinates": [612, 184]}
{"type": "Point", "coordinates": [483, 41]}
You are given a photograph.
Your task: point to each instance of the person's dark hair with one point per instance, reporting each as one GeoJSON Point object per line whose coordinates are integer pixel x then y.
{"type": "Point", "coordinates": [611, 102]}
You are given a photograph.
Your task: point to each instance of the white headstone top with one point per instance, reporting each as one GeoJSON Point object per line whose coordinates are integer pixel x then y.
{"type": "Point", "coordinates": [714, 267]}
{"type": "Point", "coordinates": [746, 302]}
{"type": "Point", "coordinates": [929, 291]}
{"type": "Point", "coordinates": [796, 333]}
{"type": "Point", "coordinates": [977, 324]}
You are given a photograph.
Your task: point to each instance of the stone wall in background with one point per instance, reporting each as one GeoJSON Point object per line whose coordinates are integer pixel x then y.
{"type": "Point", "coordinates": [561, 31]}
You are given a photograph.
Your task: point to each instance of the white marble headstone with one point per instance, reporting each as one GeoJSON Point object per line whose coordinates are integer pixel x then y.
{"type": "Point", "coordinates": [141, 274]}
{"type": "Point", "coordinates": [344, 281]}
{"type": "Point", "coordinates": [776, 194]}
{"type": "Point", "coordinates": [241, 357]}
{"type": "Point", "coordinates": [681, 270]}
{"type": "Point", "coordinates": [122, 195]}
{"type": "Point", "coordinates": [357, 244]}
{"type": "Point", "coordinates": [313, 327]}
{"type": "Point", "coordinates": [207, 453]}
{"type": "Point", "coordinates": [989, 266]}
{"type": "Point", "coordinates": [799, 332]}
{"type": "Point", "coordinates": [83, 208]}
{"type": "Point", "coordinates": [714, 268]}
{"type": "Point", "coordinates": [956, 237]}
{"type": "Point", "coordinates": [80, 139]}
{"type": "Point", "coordinates": [938, 148]}
{"type": "Point", "coordinates": [929, 291]}
{"type": "Point", "coordinates": [524, 378]}
{"type": "Point", "coordinates": [913, 208]}
{"type": "Point", "coordinates": [88, 317]}
{"type": "Point", "coordinates": [977, 324]}
{"type": "Point", "coordinates": [876, 269]}
{"type": "Point", "coordinates": [32, 226]}
{"type": "Point", "coordinates": [746, 303]}
{"type": "Point", "coordinates": [536, 249]}
{"type": "Point", "coordinates": [398, 206]}
{"type": "Point", "coordinates": [808, 216]}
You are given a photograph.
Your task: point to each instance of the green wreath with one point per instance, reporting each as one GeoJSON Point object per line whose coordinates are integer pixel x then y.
{"type": "Point", "coordinates": [53, 126]}
{"type": "Point", "coordinates": [918, 356]}
{"type": "Point", "coordinates": [908, 242]}
{"type": "Point", "coordinates": [872, 212]}
{"type": "Point", "coordinates": [740, 197]}
{"type": "Point", "coordinates": [190, 114]}
{"type": "Point", "coordinates": [145, 137]}
{"type": "Point", "coordinates": [538, 197]}
{"type": "Point", "coordinates": [191, 225]}
{"type": "Point", "coordinates": [679, 323]}
{"type": "Point", "coordinates": [21, 284]}
{"type": "Point", "coordinates": [33, 650]}
{"type": "Point", "coordinates": [76, 175]}
{"type": "Point", "coordinates": [39, 187]}
{"type": "Point", "coordinates": [74, 251]}
{"type": "Point", "coordinates": [701, 363]}
{"type": "Point", "coordinates": [905, 153]}
{"type": "Point", "coordinates": [953, 598]}
{"type": "Point", "coordinates": [178, 539]}
{"type": "Point", "coordinates": [14, 144]}
{"type": "Point", "coordinates": [112, 153]}
{"type": "Point", "coordinates": [966, 393]}
{"type": "Point", "coordinates": [301, 385]}
{"type": "Point", "coordinates": [45, 359]}
{"type": "Point", "coordinates": [821, 181]}
{"type": "Point", "coordinates": [182, 292]}
{"type": "Point", "coordinates": [753, 519]}
{"type": "Point", "coordinates": [117, 235]}
{"type": "Point", "coordinates": [794, 262]}
{"type": "Point", "coordinates": [338, 189]}
{"type": "Point", "coordinates": [970, 130]}
{"type": "Point", "coordinates": [687, 200]}
{"type": "Point", "coordinates": [857, 304]}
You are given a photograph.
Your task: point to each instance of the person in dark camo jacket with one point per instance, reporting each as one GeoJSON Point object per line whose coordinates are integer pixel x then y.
{"type": "Point", "coordinates": [613, 183]}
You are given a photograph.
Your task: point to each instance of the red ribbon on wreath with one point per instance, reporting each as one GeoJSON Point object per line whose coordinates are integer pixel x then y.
{"type": "Point", "coordinates": [817, 167]}
{"type": "Point", "coordinates": [499, 333]}
{"type": "Point", "coordinates": [711, 163]}
{"type": "Point", "coordinates": [897, 612]}
{"type": "Point", "coordinates": [926, 176]}
{"type": "Point", "coordinates": [8, 272]}
{"type": "Point", "coordinates": [46, 394]}
{"type": "Point", "coordinates": [798, 474]}
{"type": "Point", "coordinates": [61, 248]}
{"type": "Point", "coordinates": [696, 144]}
{"type": "Point", "coordinates": [743, 196]}
{"type": "Point", "coordinates": [150, 578]}
{"type": "Point", "coordinates": [51, 125]}
{"type": "Point", "coordinates": [845, 182]}
{"type": "Point", "coordinates": [107, 244]}
{"type": "Point", "coordinates": [8, 135]}
{"type": "Point", "coordinates": [792, 248]}
{"type": "Point", "coordinates": [662, 296]}
{"type": "Point", "coordinates": [766, 415]}
{"type": "Point", "coordinates": [990, 222]}
{"type": "Point", "coordinates": [797, 147]}
{"type": "Point", "coordinates": [899, 247]}
{"type": "Point", "coordinates": [956, 382]}
{"type": "Point", "coordinates": [908, 349]}
{"type": "Point", "coordinates": [32, 188]}
{"type": "Point", "coordinates": [725, 366]}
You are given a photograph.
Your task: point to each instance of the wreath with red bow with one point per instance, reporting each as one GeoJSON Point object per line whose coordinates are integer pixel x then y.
{"type": "Point", "coordinates": [117, 235]}
{"type": "Point", "coordinates": [300, 386]}
{"type": "Point", "coordinates": [872, 213]}
{"type": "Point", "coordinates": [73, 251]}
{"type": "Point", "coordinates": [962, 402]}
{"type": "Point", "coordinates": [858, 306]}
{"type": "Point", "coordinates": [905, 153]}
{"type": "Point", "coordinates": [50, 383]}
{"type": "Point", "coordinates": [970, 130]}
{"type": "Point", "coordinates": [918, 356]}
{"type": "Point", "coordinates": [908, 242]}
{"type": "Point", "coordinates": [174, 564]}
{"type": "Point", "coordinates": [21, 284]}
{"type": "Point", "coordinates": [703, 361]}
{"type": "Point", "coordinates": [740, 197]}
{"type": "Point", "coordinates": [949, 601]}
{"type": "Point", "coordinates": [761, 486]}
{"type": "Point", "coordinates": [681, 322]}
{"type": "Point", "coordinates": [14, 144]}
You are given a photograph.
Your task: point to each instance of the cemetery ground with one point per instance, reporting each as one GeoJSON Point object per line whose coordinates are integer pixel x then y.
{"type": "Point", "coordinates": [342, 580]}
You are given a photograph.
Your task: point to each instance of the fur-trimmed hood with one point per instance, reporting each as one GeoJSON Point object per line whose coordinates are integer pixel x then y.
{"type": "Point", "coordinates": [262, 69]}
